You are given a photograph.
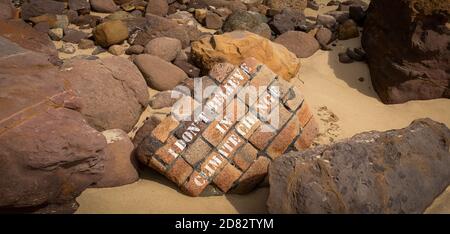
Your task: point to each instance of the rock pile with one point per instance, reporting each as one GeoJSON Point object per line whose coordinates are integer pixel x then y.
{"type": "Point", "coordinates": [217, 152]}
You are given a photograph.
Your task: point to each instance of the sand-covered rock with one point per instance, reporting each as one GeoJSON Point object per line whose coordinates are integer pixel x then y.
{"type": "Point", "coordinates": [49, 153]}
{"type": "Point", "coordinates": [303, 45]}
{"type": "Point", "coordinates": [407, 47]}
{"type": "Point", "coordinates": [398, 171]}
{"type": "Point", "coordinates": [235, 46]}
{"type": "Point", "coordinates": [159, 74]}
{"type": "Point", "coordinates": [112, 90]}
{"type": "Point", "coordinates": [120, 165]}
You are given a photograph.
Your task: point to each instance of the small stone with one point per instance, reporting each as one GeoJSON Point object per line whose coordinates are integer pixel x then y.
{"type": "Point", "coordinates": [164, 47]}
{"type": "Point", "coordinates": [86, 44]}
{"type": "Point", "coordinates": [73, 36]}
{"type": "Point", "coordinates": [134, 49]}
{"type": "Point", "coordinates": [358, 14]}
{"type": "Point", "coordinates": [353, 55]}
{"type": "Point", "coordinates": [213, 21]}
{"type": "Point", "coordinates": [98, 50]}
{"type": "Point", "coordinates": [288, 20]}
{"type": "Point", "coordinates": [116, 50]}
{"type": "Point", "coordinates": [344, 58]}
{"type": "Point", "coordinates": [348, 30]}
{"type": "Point", "coordinates": [340, 16]}
{"type": "Point", "coordinates": [68, 48]}
{"type": "Point", "coordinates": [312, 5]}
{"type": "Point", "coordinates": [200, 14]}
{"type": "Point", "coordinates": [104, 6]}
{"type": "Point", "coordinates": [56, 34]}
{"type": "Point", "coordinates": [110, 32]}
{"type": "Point", "coordinates": [157, 7]}
{"type": "Point", "coordinates": [301, 44]}
{"type": "Point", "coordinates": [191, 70]}
{"type": "Point", "coordinates": [327, 21]}
{"type": "Point", "coordinates": [324, 36]}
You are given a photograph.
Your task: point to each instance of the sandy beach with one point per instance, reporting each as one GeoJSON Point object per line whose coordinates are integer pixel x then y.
{"type": "Point", "coordinates": [343, 100]}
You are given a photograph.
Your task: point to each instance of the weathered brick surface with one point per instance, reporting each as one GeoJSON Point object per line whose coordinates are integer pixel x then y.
{"type": "Point", "coordinates": [253, 176]}
{"type": "Point", "coordinates": [198, 151]}
{"type": "Point", "coordinates": [179, 171]}
{"type": "Point", "coordinates": [307, 136]}
{"type": "Point", "coordinates": [225, 179]}
{"type": "Point", "coordinates": [245, 156]}
{"type": "Point", "coordinates": [162, 131]}
{"type": "Point", "coordinates": [232, 138]}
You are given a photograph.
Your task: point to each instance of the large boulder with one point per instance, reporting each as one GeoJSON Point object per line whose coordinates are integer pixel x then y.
{"type": "Point", "coordinates": [407, 46]}
{"type": "Point", "coordinates": [398, 171]}
{"type": "Point", "coordinates": [235, 46]}
{"type": "Point", "coordinates": [113, 92]}
{"type": "Point", "coordinates": [27, 37]}
{"type": "Point", "coordinates": [282, 4]}
{"type": "Point", "coordinates": [34, 8]}
{"type": "Point", "coordinates": [159, 74]}
{"type": "Point", "coordinates": [49, 153]}
{"type": "Point", "coordinates": [242, 20]}
{"type": "Point", "coordinates": [303, 45]}
{"type": "Point", "coordinates": [120, 163]}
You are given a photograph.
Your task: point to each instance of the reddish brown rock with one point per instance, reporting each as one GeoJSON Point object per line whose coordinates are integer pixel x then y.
{"type": "Point", "coordinates": [301, 44]}
{"type": "Point", "coordinates": [371, 172]}
{"type": "Point", "coordinates": [407, 49]}
{"type": "Point", "coordinates": [36, 109]}
{"type": "Point", "coordinates": [120, 165]}
{"type": "Point", "coordinates": [24, 35]}
{"type": "Point", "coordinates": [40, 7]}
{"type": "Point", "coordinates": [7, 10]}
{"type": "Point", "coordinates": [115, 97]}
{"type": "Point", "coordinates": [157, 7]}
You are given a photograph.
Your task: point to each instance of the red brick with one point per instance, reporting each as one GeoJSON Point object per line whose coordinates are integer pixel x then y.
{"type": "Point", "coordinates": [197, 151]}
{"type": "Point", "coordinates": [263, 78]}
{"type": "Point", "coordinates": [163, 130]}
{"type": "Point", "coordinates": [250, 65]}
{"type": "Point", "coordinates": [220, 71]}
{"type": "Point", "coordinates": [304, 114]}
{"type": "Point", "coordinates": [264, 105]}
{"type": "Point", "coordinates": [253, 176]}
{"type": "Point", "coordinates": [279, 117]}
{"type": "Point", "coordinates": [247, 125]}
{"type": "Point", "coordinates": [179, 172]}
{"type": "Point", "coordinates": [293, 99]}
{"type": "Point", "coordinates": [282, 141]}
{"type": "Point", "coordinates": [245, 156]}
{"type": "Point", "coordinates": [157, 165]}
{"type": "Point", "coordinates": [184, 108]}
{"type": "Point", "coordinates": [164, 154]}
{"type": "Point", "coordinates": [230, 144]}
{"type": "Point", "coordinates": [279, 88]}
{"type": "Point", "coordinates": [192, 188]}
{"type": "Point", "coordinates": [212, 164]}
{"type": "Point", "coordinates": [260, 139]}
{"type": "Point", "coordinates": [217, 130]}
{"type": "Point", "coordinates": [308, 135]}
{"type": "Point", "coordinates": [225, 179]}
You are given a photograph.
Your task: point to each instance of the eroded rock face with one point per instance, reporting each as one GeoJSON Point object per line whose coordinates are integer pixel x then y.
{"type": "Point", "coordinates": [235, 46]}
{"type": "Point", "coordinates": [214, 152]}
{"type": "Point", "coordinates": [27, 37]}
{"type": "Point", "coordinates": [49, 153]}
{"type": "Point", "coordinates": [407, 46]}
{"type": "Point", "coordinates": [123, 94]}
{"type": "Point", "coordinates": [398, 171]}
